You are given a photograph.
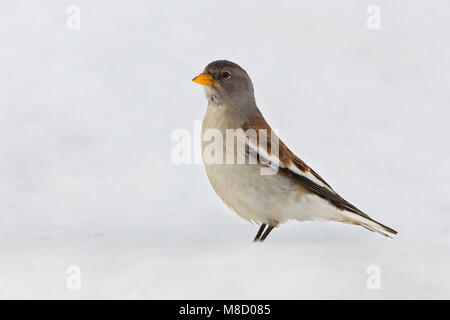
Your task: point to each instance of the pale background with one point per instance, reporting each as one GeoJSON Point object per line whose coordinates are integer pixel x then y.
{"type": "Point", "coordinates": [86, 118]}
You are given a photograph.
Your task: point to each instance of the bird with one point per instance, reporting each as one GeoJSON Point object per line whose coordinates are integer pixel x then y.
{"type": "Point", "coordinates": [259, 177]}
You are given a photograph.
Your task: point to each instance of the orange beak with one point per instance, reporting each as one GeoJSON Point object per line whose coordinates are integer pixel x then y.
{"type": "Point", "coordinates": [204, 79]}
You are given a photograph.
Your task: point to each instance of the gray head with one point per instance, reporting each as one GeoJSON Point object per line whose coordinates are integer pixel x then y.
{"type": "Point", "coordinates": [226, 83]}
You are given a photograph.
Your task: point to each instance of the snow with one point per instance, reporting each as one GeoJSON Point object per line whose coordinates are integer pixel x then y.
{"type": "Point", "coordinates": [86, 177]}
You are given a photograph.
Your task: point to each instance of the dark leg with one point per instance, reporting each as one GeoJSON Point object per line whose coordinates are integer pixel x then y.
{"type": "Point", "coordinates": [266, 233]}
{"type": "Point", "coordinates": [260, 231]}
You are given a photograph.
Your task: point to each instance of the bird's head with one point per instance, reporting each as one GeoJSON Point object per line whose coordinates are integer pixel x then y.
{"type": "Point", "coordinates": [225, 82]}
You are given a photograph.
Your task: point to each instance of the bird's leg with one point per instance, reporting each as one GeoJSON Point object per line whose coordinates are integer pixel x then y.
{"type": "Point", "coordinates": [260, 231]}
{"type": "Point", "coordinates": [266, 233]}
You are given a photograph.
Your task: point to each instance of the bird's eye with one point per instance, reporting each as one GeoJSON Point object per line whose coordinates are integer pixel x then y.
{"type": "Point", "coordinates": [226, 75]}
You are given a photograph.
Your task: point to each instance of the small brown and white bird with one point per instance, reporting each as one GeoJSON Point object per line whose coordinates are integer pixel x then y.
{"type": "Point", "coordinates": [258, 176]}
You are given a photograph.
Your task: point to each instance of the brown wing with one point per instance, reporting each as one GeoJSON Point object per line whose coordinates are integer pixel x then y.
{"type": "Point", "coordinates": [288, 159]}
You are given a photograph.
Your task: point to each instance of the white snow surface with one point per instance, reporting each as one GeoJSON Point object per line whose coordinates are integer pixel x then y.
{"type": "Point", "coordinates": [86, 177]}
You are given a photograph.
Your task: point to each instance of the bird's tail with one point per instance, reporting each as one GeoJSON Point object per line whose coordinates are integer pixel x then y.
{"type": "Point", "coordinates": [368, 223]}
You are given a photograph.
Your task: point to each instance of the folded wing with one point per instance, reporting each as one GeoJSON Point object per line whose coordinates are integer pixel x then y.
{"type": "Point", "coordinates": [293, 167]}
